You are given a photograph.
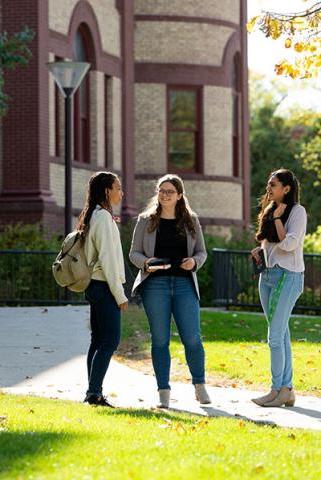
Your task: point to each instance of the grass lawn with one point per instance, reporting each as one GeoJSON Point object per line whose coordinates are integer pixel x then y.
{"type": "Point", "coordinates": [236, 349]}
{"type": "Point", "coordinates": [51, 439]}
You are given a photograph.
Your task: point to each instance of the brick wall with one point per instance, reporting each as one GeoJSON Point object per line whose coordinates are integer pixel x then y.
{"type": "Point", "coordinates": [114, 124]}
{"type": "Point", "coordinates": [80, 178]}
{"type": "Point", "coordinates": [150, 128]}
{"type": "Point", "coordinates": [219, 9]}
{"type": "Point", "coordinates": [178, 42]}
{"type": "Point", "coordinates": [1, 153]}
{"type": "Point", "coordinates": [209, 199]}
{"type": "Point", "coordinates": [26, 133]}
{"type": "Point", "coordinates": [217, 131]}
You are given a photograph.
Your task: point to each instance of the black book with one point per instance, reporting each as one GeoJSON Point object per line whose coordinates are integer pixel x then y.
{"type": "Point", "coordinates": [260, 266]}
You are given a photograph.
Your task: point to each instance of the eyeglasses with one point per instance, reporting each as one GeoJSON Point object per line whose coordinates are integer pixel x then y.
{"type": "Point", "coordinates": [166, 192]}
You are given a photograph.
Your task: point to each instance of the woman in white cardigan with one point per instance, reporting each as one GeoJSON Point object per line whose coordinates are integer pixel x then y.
{"type": "Point", "coordinates": [282, 226]}
{"type": "Point", "coordinates": [105, 292]}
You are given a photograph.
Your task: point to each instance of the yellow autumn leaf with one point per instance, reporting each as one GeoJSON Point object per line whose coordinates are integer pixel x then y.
{"type": "Point", "coordinates": [279, 68]}
{"type": "Point", "coordinates": [275, 29]}
{"type": "Point", "coordinates": [298, 47]}
{"type": "Point", "coordinates": [251, 24]}
{"type": "Point", "coordinates": [288, 43]}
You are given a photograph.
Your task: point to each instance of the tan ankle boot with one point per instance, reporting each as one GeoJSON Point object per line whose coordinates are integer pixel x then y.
{"type": "Point", "coordinates": [285, 397]}
{"type": "Point", "coordinates": [201, 394]}
{"type": "Point", "coordinates": [164, 396]}
{"type": "Point", "coordinates": [266, 398]}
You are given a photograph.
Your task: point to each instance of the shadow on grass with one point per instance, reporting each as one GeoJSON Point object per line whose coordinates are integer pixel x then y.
{"type": "Point", "coordinates": [156, 414]}
{"type": "Point", "coordinates": [212, 412]}
{"type": "Point", "coordinates": [18, 450]}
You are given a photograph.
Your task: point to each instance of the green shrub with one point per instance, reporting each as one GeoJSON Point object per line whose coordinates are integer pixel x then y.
{"type": "Point", "coordinates": [28, 237]}
{"type": "Point", "coordinates": [312, 241]}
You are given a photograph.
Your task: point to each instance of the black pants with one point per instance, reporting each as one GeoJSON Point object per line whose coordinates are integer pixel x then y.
{"type": "Point", "coordinates": [105, 333]}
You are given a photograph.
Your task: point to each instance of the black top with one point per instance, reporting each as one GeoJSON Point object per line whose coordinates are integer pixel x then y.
{"type": "Point", "coordinates": [170, 243]}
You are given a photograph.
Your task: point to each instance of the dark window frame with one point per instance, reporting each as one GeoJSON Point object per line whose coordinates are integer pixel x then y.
{"type": "Point", "coordinates": [199, 155]}
{"type": "Point", "coordinates": [57, 116]}
{"type": "Point", "coordinates": [236, 109]}
{"type": "Point", "coordinates": [106, 112]}
{"type": "Point", "coordinates": [82, 137]}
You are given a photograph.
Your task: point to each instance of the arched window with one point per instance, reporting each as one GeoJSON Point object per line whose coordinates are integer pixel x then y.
{"type": "Point", "coordinates": [236, 126]}
{"type": "Point", "coordinates": [82, 100]}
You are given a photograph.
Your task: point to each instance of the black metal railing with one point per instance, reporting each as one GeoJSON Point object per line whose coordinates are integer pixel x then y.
{"type": "Point", "coordinates": [235, 285]}
{"type": "Point", "coordinates": [26, 279]}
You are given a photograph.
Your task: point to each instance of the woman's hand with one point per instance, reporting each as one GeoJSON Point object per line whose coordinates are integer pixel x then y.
{"type": "Point", "coordinates": [188, 263]}
{"type": "Point", "coordinates": [147, 262]}
{"type": "Point", "coordinates": [123, 306]}
{"type": "Point", "coordinates": [255, 254]}
{"type": "Point", "coordinates": [278, 212]}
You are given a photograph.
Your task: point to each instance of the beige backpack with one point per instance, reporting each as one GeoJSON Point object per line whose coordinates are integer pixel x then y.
{"type": "Point", "coordinates": [70, 269]}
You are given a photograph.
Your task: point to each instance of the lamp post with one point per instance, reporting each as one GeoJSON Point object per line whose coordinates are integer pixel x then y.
{"type": "Point", "coordinates": [68, 77]}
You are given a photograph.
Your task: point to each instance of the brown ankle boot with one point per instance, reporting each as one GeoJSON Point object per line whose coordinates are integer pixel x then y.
{"type": "Point", "coordinates": [266, 398]}
{"type": "Point", "coordinates": [285, 397]}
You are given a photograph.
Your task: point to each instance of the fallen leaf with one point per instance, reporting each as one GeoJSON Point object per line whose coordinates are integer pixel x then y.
{"type": "Point", "coordinates": [258, 468]}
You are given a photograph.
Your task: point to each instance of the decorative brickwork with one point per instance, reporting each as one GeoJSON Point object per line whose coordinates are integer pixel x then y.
{"type": "Point", "coordinates": [218, 9]}
{"type": "Point", "coordinates": [177, 42]}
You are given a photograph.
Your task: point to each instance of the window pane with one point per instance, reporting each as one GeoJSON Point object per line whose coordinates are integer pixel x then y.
{"type": "Point", "coordinates": [79, 48]}
{"type": "Point", "coordinates": [182, 109]}
{"type": "Point", "coordinates": [182, 150]}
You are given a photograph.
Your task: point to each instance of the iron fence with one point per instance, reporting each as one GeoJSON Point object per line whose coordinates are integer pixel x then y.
{"type": "Point", "coordinates": [26, 279]}
{"type": "Point", "coordinates": [235, 285]}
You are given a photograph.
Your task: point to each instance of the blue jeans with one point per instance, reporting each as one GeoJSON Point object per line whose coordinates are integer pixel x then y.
{"type": "Point", "coordinates": [279, 290]}
{"type": "Point", "coordinates": [105, 333]}
{"type": "Point", "coordinates": [163, 296]}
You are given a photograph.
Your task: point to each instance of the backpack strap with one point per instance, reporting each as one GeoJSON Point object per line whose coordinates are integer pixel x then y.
{"type": "Point", "coordinates": [75, 240]}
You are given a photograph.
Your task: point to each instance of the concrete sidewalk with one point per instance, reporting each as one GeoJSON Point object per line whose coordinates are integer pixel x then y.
{"type": "Point", "coordinates": [42, 352]}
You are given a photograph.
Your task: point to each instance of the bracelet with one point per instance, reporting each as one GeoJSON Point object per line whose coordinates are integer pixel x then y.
{"type": "Point", "coordinates": [276, 218]}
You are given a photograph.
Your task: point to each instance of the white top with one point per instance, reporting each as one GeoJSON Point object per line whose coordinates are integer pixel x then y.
{"type": "Point", "coordinates": [103, 242]}
{"type": "Point", "coordinates": [288, 254]}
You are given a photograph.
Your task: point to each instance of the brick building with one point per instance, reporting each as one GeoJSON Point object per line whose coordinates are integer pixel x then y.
{"type": "Point", "coordinates": [167, 92]}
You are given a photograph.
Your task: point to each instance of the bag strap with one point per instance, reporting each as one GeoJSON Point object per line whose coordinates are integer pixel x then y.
{"type": "Point", "coordinates": [75, 240]}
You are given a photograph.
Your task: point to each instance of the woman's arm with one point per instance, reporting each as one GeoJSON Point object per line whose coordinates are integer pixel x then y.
{"type": "Point", "coordinates": [136, 254]}
{"type": "Point", "coordinates": [107, 255]}
{"type": "Point", "coordinates": [295, 230]}
{"type": "Point", "coordinates": [200, 253]}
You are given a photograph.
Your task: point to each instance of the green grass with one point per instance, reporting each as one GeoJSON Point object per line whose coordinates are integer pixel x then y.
{"type": "Point", "coordinates": [236, 348]}
{"type": "Point", "coordinates": [51, 439]}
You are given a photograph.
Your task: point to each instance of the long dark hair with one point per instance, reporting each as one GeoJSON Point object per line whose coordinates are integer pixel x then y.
{"type": "Point", "coordinates": [96, 195]}
{"type": "Point", "coordinates": [183, 211]}
{"type": "Point", "coordinates": [266, 228]}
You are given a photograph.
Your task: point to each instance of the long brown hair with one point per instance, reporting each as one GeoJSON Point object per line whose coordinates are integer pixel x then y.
{"type": "Point", "coordinates": [183, 211]}
{"type": "Point", "coordinates": [96, 195]}
{"type": "Point", "coordinates": [266, 225]}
